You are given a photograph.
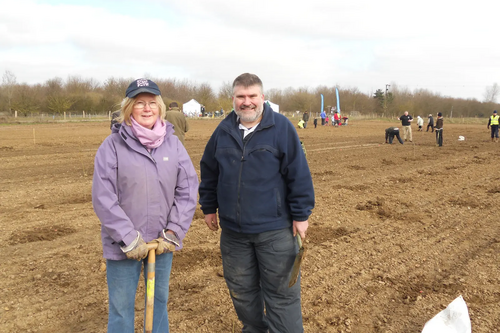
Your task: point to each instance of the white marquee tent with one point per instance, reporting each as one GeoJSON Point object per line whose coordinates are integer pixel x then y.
{"type": "Point", "coordinates": [191, 108]}
{"type": "Point", "coordinates": [275, 107]}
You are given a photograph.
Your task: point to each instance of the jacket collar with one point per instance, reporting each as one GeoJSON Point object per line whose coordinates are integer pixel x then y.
{"type": "Point", "coordinates": [125, 132]}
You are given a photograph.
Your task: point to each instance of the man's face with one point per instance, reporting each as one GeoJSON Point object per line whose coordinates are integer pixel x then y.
{"type": "Point", "coordinates": [406, 113]}
{"type": "Point", "coordinates": [248, 103]}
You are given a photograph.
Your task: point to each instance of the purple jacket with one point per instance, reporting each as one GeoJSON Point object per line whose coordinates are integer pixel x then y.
{"type": "Point", "coordinates": [134, 190]}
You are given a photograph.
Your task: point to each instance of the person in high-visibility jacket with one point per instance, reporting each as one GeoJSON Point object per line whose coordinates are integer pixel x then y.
{"type": "Point", "coordinates": [493, 123]}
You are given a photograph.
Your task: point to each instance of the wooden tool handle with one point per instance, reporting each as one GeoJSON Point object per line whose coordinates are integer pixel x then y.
{"type": "Point", "coordinates": [150, 287]}
{"type": "Point", "coordinates": [152, 246]}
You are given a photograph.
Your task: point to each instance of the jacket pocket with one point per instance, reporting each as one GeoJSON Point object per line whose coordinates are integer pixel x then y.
{"type": "Point", "coordinates": [228, 201]}
{"type": "Point", "coordinates": [260, 205]}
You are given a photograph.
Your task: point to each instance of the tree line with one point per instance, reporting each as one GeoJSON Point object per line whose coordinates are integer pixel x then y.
{"type": "Point", "coordinates": [76, 94]}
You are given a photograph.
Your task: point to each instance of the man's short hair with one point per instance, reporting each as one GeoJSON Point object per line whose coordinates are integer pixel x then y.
{"type": "Point", "coordinates": [247, 80]}
{"type": "Point", "coordinates": [173, 105]}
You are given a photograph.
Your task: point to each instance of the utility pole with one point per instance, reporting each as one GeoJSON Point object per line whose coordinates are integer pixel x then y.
{"type": "Point", "coordinates": [385, 99]}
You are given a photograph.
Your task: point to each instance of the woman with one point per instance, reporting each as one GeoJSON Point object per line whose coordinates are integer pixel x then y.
{"type": "Point", "coordinates": [144, 190]}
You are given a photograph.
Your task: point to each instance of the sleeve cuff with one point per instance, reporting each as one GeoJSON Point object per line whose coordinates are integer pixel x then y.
{"type": "Point", "coordinates": [130, 237]}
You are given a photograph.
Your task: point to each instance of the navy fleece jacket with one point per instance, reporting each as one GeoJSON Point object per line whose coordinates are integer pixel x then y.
{"type": "Point", "coordinates": [260, 185]}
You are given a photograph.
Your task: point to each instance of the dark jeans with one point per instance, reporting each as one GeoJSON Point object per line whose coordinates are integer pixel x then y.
{"type": "Point", "coordinates": [391, 137]}
{"type": "Point", "coordinates": [257, 271]}
{"type": "Point", "coordinates": [322, 121]}
{"type": "Point", "coordinates": [431, 126]}
{"type": "Point", "coordinates": [439, 136]}
{"type": "Point", "coordinates": [494, 131]}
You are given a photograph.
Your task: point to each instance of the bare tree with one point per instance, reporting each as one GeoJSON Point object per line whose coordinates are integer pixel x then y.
{"type": "Point", "coordinates": [491, 93]}
{"type": "Point", "coordinates": [224, 98]}
{"type": "Point", "coordinates": [27, 99]}
{"type": "Point", "coordinates": [204, 95]}
{"type": "Point", "coordinates": [59, 103]}
{"type": "Point", "coordinates": [9, 81]}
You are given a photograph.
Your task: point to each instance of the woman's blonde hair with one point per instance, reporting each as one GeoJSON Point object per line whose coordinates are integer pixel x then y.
{"type": "Point", "coordinates": [127, 106]}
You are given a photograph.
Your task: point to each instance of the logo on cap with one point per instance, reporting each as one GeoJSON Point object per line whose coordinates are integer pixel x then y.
{"type": "Point", "coordinates": [142, 83]}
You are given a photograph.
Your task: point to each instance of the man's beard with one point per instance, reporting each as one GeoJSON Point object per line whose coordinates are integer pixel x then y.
{"type": "Point", "coordinates": [249, 118]}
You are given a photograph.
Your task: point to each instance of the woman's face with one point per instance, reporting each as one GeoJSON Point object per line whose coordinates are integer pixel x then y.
{"type": "Point", "coordinates": [145, 110]}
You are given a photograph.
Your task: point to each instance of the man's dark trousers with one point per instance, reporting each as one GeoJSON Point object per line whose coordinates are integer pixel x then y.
{"type": "Point", "coordinates": [439, 137]}
{"type": "Point", "coordinates": [257, 271]}
{"type": "Point", "coordinates": [392, 135]}
{"type": "Point", "coordinates": [494, 131]}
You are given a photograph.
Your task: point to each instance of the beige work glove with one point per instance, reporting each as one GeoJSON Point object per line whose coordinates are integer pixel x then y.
{"type": "Point", "coordinates": [140, 250]}
{"type": "Point", "coordinates": [163, 246]}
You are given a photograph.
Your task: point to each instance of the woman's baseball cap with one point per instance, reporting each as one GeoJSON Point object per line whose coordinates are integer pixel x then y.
{"type": "Point", "coordinates": [142, 86]}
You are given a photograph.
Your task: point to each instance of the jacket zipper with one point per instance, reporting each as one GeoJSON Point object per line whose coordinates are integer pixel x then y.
{"type": "Point", "coordinates": [238, 215]}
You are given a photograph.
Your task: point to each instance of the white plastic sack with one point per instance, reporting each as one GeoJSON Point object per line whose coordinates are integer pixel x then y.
{"type": "Point", "coordinates": [453, 319]}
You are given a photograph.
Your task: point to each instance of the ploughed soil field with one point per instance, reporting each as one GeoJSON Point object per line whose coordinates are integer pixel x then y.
{"type": "Point", "coordinates": [398, 232]}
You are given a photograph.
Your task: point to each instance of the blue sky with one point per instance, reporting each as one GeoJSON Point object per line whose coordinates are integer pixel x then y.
{"type": "Point", "coordinates": [450, 48]}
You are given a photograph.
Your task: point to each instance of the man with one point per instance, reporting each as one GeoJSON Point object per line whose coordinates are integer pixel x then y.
{"type": "Point", "coordinates": [439, 130]}
{"type": "Point", "coordinates": [493, 122]}
{"type": "Point", "coordinates": [305, 118]}
{"type": "Point", "coordinates": [114, 117]}
{"type": "Point", "coordinates": [430, 123]}
{"type": "Point", "coordinates": [406, 120]}
{"type": "Point", "coordinates": [323, 116]}
{"type": "Point", "coordinates": [255, 175]}
{"type": "Point", "coordinates": [178, 119]}
{"type": "Point", "coordinates": [392, 132]}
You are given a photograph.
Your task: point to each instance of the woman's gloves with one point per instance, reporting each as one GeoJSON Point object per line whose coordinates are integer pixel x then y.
{"type": "Point", "coordinates": [137, 250]}
{"type": "Point", "coordinates": [166, 242]}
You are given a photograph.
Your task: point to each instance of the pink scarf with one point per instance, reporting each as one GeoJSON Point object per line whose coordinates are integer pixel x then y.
{"type": "Point", "coordinates": [150, 138]}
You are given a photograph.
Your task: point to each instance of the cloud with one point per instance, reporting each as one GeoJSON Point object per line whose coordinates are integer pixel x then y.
{"type": "Point", "coordinates": [427, 44]}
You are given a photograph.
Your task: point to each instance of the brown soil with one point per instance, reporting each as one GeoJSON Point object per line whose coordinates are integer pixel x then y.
{"type": "Point", "coordinates": [398, 232]}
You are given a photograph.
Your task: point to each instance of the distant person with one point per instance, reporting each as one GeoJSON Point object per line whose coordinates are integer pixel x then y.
{"type": "Point", "coordinates": [346, 120]}
{"type": "Point", "coordinates": [305, 117]}
{"type": "Point", "coordinates": [203, 111]}
{"type": "Point", "coordinates": [493, 123]}
{"type": "Point", "coordinates": [114, 117]}
{"type": "Point", "coordinates": [430, 123]}
{"type": "Point", "coordinates": [323, 116]}
{"type": "Point", "coordinates": [177, 118]}
{"type": "Point", "coordinates": [390, 133]}
{"type": "Point", "coordinates": [420, 123]}
{"type": "Point", "coordinates": [315, 122]}
{"type": "Point", "coordinates": [337, 119]}
{"type": "Point", "coordinates": [406, 120]}
{"type": "Point", "coordinates": [439, 130]}
{"type": "Point", "coordinates": [140, 197]}
{"type": "Point", "coordinates": [326, 120]}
